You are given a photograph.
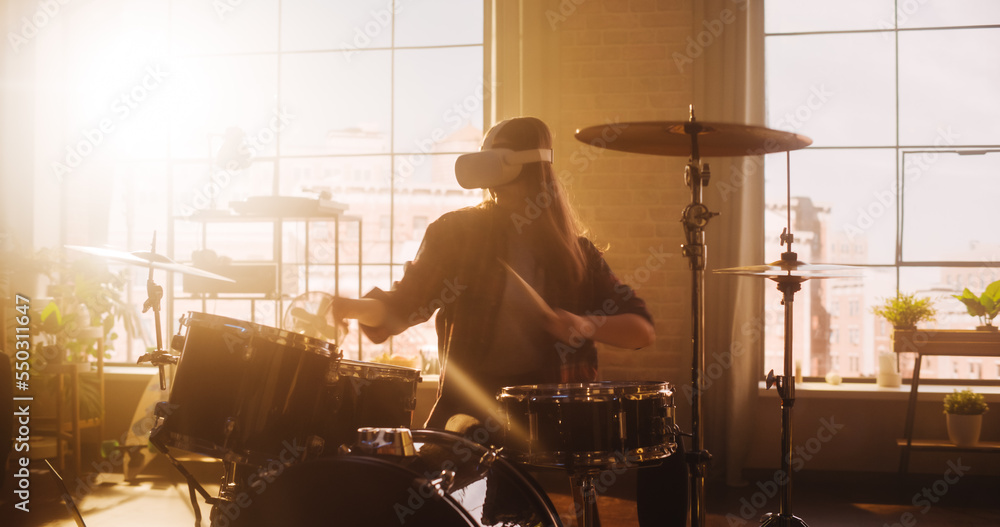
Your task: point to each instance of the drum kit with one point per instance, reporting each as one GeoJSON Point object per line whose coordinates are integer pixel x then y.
{"type": "Point", "coordinates": [329, 439]}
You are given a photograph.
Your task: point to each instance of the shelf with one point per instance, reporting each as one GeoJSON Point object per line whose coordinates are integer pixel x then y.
{"type": "Point", "coordinates": [947, 342]}
{"type": "Point", "coordinates": [942, 445]}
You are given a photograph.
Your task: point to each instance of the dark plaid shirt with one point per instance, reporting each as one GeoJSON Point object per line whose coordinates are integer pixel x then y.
{"type": "Point", "coordinates": [456, 272]}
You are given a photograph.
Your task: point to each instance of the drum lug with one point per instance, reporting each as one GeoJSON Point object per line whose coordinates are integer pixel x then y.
{"type": "Point", "coordinates": [443, 482]}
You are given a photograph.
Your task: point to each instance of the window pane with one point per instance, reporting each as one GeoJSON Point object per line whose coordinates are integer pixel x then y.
{"type": "Point", "coordinates": [964, 189]}
{"type": "Point", "coordinates": [947, 13]}
{"type": "Point", "coordinates": [428, 192]}
{"type": "Point", "coordinates": [213, 94]}
{"type": "Point", "coordinates": [834, 327]}
{"type": "Point", "coordinates": [199, 27]}
{"type": "Point", "coordinates": [794, 16]}
{"type": "Point", "coordinates": [439, 23]}
{"type": "Point", "coordinates": [837, 89]}
{"type": "Point", "coordinates": [843, 205]}
{"type": "Point", "coordinates": [332, 111]}
{"type": "Point", "coordinates": [949, 81]}
{"type": "Point", "coordinates": [438, 93]}
{"type": "Point", "coordinates": [325, 25]}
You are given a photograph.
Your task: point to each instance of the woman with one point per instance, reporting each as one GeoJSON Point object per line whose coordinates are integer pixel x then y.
{"type": "Point", "coordinates": [470, 268]}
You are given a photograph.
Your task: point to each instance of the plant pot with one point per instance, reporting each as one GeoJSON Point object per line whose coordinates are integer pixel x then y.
{"type": "Point", "coordinates": [963, 430]}
{"type": "Point", "coordinates": [986, 328]}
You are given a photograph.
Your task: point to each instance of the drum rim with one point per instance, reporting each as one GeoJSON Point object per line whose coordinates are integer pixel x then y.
{"type": "Point", "coordinates": [311, 344]}
{"type": "Point", "coordinates": [587, 389]}
{"type": "Point", "coordinates": [381, 369]}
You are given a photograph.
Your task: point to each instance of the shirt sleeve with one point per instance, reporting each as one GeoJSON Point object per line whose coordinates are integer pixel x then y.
{"type": "Point", "coordinates": [425, 283]}
{"type": "Point", "coordinates": [611, 296]}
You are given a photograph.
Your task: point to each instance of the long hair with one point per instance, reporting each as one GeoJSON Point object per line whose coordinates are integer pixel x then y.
{"type": "Point", "coordinates": [547, 218]}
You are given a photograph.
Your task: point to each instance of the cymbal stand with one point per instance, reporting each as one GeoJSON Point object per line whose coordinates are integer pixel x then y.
{"type": "Point", "coordinates": [788, 284]}
{"type": "Point", "coordinates": [695, 217]}
{"type": "Point", "coordinates": [159, 357]}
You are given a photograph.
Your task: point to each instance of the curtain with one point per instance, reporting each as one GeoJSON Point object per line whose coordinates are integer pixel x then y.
{"type": "Point", "coordinates": [727, 61]}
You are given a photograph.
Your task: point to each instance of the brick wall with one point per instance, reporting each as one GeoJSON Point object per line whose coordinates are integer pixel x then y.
{"type": "Point", "coordinates": [613, 63]}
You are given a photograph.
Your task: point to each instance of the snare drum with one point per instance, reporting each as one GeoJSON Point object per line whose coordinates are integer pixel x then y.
{"type": "Point", "coordinates": [589, 424]}
{"type": "Point", "coordinates": [448, 481]}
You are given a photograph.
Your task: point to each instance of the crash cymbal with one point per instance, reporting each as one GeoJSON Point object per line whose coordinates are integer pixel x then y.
{"type": "Point", "coordinates": [148, 259]}
{"type": "Point", "coordinates": [673, 138]}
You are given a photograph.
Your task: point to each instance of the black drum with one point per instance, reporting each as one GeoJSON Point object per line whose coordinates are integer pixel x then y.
{"type": "Point", "coordinates": [450, 481]}
{"type": "Point", "coordinates": [250, 393]}
{"type": "Point", "coordinates": [588, 424]}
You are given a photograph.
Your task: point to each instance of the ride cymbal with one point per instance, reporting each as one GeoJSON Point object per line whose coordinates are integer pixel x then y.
{"type": "Point", "coordinates": [674, 138]}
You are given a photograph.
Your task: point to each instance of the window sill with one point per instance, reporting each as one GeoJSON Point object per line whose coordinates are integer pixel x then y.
{"type": "Point", "coordinates": [869, 391]}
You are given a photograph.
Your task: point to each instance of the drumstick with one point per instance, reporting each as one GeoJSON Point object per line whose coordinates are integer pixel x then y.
{"type": "Point", "coordinates": [536, 299]}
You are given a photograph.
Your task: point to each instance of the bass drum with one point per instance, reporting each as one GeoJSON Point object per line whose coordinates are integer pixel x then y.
{"type": "Point", "coordinates": [451, 481]}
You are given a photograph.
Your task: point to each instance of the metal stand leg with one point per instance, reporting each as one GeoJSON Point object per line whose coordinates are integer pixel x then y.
{"type": "Point", "coordinates": [583, 486]}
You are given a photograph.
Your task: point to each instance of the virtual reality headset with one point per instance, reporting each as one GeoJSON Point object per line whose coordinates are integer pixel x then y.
{"type": "Point", "coordinates": [495, 167]}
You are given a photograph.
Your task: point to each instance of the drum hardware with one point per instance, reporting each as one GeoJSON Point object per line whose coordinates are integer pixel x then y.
{"type": "Point", "coordinates": [788, 273]}
{"type": "Point", "coordinates": [694, 139]}
{"type": "Point", "coordinates": [385, 441]}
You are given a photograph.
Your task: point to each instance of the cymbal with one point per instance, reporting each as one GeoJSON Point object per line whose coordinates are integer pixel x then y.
{"type": "Point", "coordinates": [793, 268]}
{"type": "Point", "coordinates": [673, 138]}
{"type": "Point", "coordinates": [148, 259]}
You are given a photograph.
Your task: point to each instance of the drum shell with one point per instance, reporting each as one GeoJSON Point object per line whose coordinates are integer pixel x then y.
{"type": "Point", "coordinates": [364, 490]}
{"type": "Point", "coordinates": [250, 393]}
{"type": "Point", "coordinates": [588, 424]}
{"type": "Point", "coordinates": [238, 384]}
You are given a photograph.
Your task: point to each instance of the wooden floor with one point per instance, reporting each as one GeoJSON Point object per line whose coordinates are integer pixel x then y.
{"type": "Point", "coordinates": [159, 497]}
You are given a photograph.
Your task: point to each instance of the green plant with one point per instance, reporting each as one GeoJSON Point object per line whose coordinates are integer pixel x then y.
{"type": "Point", "coordinates": [904, 311]}
{"type": "Point", "coordinates": [965, 402]}
{"type": "Point", "coordinates": [985, 306]}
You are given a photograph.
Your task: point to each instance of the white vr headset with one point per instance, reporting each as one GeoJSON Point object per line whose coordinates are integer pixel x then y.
{"type": "Point", "coordinates": [493, 167]}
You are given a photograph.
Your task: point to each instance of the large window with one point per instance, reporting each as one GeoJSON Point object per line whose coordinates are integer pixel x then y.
{"type": "Point", "coordinates": [902, 101]}
{"type": "Point", "coordinates": [365, 102]}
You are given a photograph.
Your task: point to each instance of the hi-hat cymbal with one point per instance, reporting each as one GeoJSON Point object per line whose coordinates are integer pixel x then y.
{"type": "Point", "coordinates": [673, 138]}
{"type": "Point", "coordinates": [793, 268]}
{"type": "Point", "coordinates": [148, 259]}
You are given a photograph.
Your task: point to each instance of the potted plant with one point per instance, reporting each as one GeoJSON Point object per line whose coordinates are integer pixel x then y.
{"type": "Point", "coordinates": [985, 306]}
{"type": "Point", "coordinates": [904, 311]}
{"type": "Point", "coordinates": [964, 414]}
